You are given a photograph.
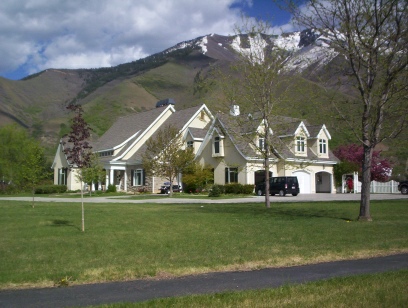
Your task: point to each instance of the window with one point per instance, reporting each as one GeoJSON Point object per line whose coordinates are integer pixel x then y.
{"type": "Point", "coordinates": [231, 175]}
{"type": "Point", "coordinates": [300, 144]}
{"type": "Point", "coordinates": [217, 145]}
{"type": "Point", "coordinates": [106, 153]}
{"type": "Point", "coordinates": [322, 146]}
{"type": "Point", "coordinates": [261, 144]}
{"type": "Point", "coordinates": [137, 177]}
{"type": "Point", "coordinates": [190, 144]}
{"type": "Point", "coordinates": [62, 176]}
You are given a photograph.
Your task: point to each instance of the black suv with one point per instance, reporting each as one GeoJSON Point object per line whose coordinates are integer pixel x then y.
{"type": "Point", "coordinates": [281, 185]}
{"type": "Point", "coordinates": [403, 187]}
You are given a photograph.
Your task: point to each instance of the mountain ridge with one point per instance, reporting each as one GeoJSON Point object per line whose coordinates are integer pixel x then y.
{"type": "Point", "coordinates": [38, 101]}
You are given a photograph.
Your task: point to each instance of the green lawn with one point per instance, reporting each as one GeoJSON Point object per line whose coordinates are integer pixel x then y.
{"type": "Point", "coordinates": [378, 290]}
{"type": "Point", "coordinates": [41, 245]}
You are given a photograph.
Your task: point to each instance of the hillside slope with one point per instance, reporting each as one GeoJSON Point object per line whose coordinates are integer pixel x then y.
{"type": "Point", "coordinates": [39, 102]}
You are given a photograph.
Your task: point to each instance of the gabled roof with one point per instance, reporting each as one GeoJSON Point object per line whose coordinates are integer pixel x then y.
{"type": "Point", "coordinates": [197, 133]}
{"type": "Point", "coordinates": [178, 119]}
{"type": "Point", "coordinates": [281, 127]}
{"type": "Point", "coordinates": [127, 128]}
{"type": "Point", "coordinates": [315, 130]}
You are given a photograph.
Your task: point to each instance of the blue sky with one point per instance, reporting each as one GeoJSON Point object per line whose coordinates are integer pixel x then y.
{"type": "Point", "coordinates": [41, 34]}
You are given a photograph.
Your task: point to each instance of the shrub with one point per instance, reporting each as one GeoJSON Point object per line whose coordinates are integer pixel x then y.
{"type": "Point", "coordinates": [233, 188]}
{"type": "Point", "coordinates": [50, 189]}
{"type": "Point", "coordinates": [248, 189]}
{"type": "Point", "coordinates": [8, 189]}
{"type": "Point", "coordinates": [111, 188]}
{"type": "Point", "coordinates": [216, 191]}
{"type": "Point", "coordinates": [239, 189]}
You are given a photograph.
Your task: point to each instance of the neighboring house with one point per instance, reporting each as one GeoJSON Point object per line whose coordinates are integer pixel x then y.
{"type": "Point", "coordinates": [121, 147]}
{"type": "Point", "coordinates": [299, 149]}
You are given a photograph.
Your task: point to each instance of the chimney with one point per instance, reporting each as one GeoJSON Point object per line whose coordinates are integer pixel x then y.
{"type": "Point", "coordinates": [234, 110]}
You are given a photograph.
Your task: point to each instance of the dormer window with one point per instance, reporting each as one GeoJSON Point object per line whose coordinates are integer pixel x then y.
{"type": "Point", "coordinates": [322, 146]}
{"type": "Point", "coordinates": [218, 147]}
{"type": "Point", "coordinates": [261, 144]}
{"type": "Point", "coordinates": [300, 144]}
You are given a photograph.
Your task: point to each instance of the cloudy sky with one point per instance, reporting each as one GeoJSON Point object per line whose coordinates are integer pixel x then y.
{"type": "Point", "coordinates": [40, 34]}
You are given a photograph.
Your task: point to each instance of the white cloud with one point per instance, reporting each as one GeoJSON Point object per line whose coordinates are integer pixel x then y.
{"type": "Point", "coordinates": [41, 34]}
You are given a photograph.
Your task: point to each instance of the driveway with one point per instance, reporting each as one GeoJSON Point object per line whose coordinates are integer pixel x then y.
{"type": "Point", "coordinates": [174, 199]}
{"type": "Point", "coordinates": [142, 290]}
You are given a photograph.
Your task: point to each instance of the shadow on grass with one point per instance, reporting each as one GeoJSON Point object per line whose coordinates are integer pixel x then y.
{"type": "Point", "coordinates": [279, 211]}
{"type": "Point", "coordinates": [61, 223]}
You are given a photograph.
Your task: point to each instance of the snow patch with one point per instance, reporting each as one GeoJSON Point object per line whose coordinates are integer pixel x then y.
{"type": "Point", "coordinates": [203, 44]}
{"type": "Point", "coordinates": [256, 47]}
{"type": "Point", "coordinates": [288, 42]}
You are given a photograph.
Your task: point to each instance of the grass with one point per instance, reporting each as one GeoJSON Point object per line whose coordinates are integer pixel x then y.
{"type": "Point", "coordinates": [127, 241]}
{"type": "Point", "coordinates": [378, 290]}
{"type": "Point", "coordinates": [188, 196]}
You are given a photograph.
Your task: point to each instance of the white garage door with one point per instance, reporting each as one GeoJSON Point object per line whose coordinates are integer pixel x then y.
{"type": "Point", "coordinates": [305, 185]}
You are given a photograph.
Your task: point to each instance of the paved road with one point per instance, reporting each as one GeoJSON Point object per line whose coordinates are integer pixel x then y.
{"type": "Point", "coordinates": [142, 290]}
{"type": "Point", "coordinates": [174, 199]}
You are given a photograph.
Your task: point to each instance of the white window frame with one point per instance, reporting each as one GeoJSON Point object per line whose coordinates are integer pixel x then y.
{"type": "Point", "coordinates": [322, 146]}
{"type": "Point", "coordinates": [261, 144]}
{"type": "Point", "coordinates": [190, 144]}
{"type": "Point", "coordinates": [228, 172]}
{"type": "Point", "coordinates": [300, 144]}
{"type": "Point", "coordinates": [62, 176]}
{"type": "Point", "coordinates": [138, 177]}
{"type": "Point", "coordinates": [217, 145]}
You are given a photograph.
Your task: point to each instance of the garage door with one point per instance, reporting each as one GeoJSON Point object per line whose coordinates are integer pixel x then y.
{"type": "Point", "coordinates": [304, 181]}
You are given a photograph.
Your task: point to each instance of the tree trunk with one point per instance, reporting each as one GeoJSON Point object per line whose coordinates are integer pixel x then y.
{"type": "Point", "coordinates": [33, 196]}
{"type": "Point", "coordinates": [82, 202]}
{"type": "Point", "coordinates": [365, 187]}
{"type": "Point", "coordinates": [267, 194]}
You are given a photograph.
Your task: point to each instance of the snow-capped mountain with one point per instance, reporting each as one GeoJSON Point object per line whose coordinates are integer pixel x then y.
{"type": "Point", "coordinates": [305, 49]}
{"type": "Point", "coordinates": [138, 85]}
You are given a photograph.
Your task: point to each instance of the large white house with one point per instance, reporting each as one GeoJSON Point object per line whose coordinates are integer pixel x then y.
{"type": "Point", "coordinates": [301, 150]}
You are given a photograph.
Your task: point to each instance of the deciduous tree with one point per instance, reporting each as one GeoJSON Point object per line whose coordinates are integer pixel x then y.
{"type": "Point", "coordinates": [166, 155]}
{"type": "Point", "coordinates": [22, 160]}
{"type": "Point", "coordinates": [257, 83]}
{"type": "Point", "coordinates": [33, 167]}
{"type": "Point", "coordinates": [352, 155]}
{"type": "Point", "coordinates": [78, 148]}
{"type": "Point", "coordinates": [371, 36]}
{"type": "Point", "coordinates": [93, 172]}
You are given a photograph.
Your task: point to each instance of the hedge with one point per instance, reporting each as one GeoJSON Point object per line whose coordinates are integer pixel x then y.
{"type": "Point", "coordinates": [234, 188]}
{"type": "Point", "coordinates": [50, 189]}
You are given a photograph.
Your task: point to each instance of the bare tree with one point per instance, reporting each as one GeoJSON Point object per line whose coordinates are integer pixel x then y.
{"type": "Point", "coordinates": [372, 38]}
{"type": "Point", "coordinates": [257, 83]}
{"type": "Point", "coordinates": [166, 155]}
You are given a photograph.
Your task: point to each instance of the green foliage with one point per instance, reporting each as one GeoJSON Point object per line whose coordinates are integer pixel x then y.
{"type": "Point", "coordinates": [197, 178]}
{"type": "Point", "coordinates": [93, 172]}
{"type": "Point", "coordinates": [341, 168]}
{"type": "Point", "coordinates": [166, 155]}
{"type": "Point", "coordinates": [111, 188]}
{"type": "Point", "coordinates": [50, 189]}
{"type": "Point", "coordinates": [22, 159]}
{"type": "Point", "coordinates": [237, 189]}
{"type": "Point", "coordinates": [216, 191]}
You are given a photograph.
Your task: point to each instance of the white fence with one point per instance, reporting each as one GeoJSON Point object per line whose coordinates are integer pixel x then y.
{"type": "Point", "coordinates": [390, 187]}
